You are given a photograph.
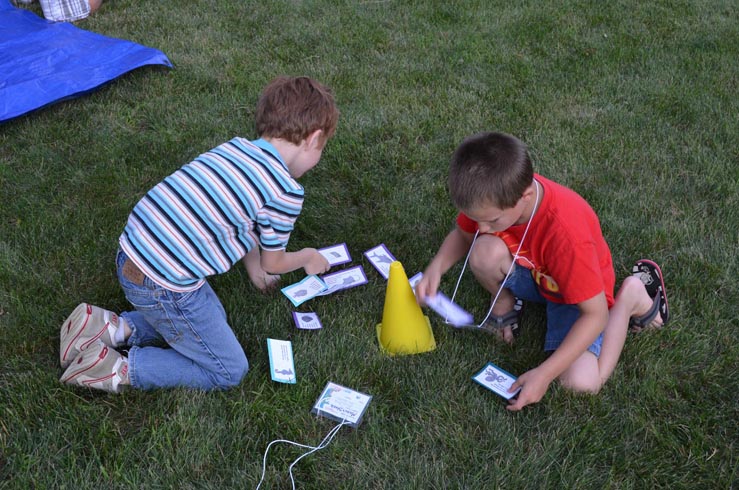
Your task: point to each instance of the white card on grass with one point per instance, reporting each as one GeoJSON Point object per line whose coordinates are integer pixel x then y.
{"type": "Point", "coordinates": [343, 279]}
{"type": "Point", "coordinates": [497, 380]}
{"type": "Point", "coordinates": [281, 364]}
{"type": "Point", "coordinates": [336, 254]}
{"type": "Point", "coordinates": [306, 321]}
{"type": "Point", "coordinates": [302, 291]}
{"type": "Point", "coordinates": [341, 404]}
{"type": "Point", "coordinates": [451, 312]}
{"type": "Point", "coordinates": [381, 258]}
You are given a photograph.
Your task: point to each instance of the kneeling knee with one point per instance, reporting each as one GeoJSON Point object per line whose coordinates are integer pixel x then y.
{"type": "Point", "coordinates": [233, 375]}
{"type": "Point", "coordinates": [588, 386]}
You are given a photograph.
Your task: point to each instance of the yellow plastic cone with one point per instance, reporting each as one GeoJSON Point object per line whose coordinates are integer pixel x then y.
{"type": "Point", "coordinates": [404, 328]}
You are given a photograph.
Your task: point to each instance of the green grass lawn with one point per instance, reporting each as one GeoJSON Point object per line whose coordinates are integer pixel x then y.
{"type": "Point", "coordinates": [632, 104]}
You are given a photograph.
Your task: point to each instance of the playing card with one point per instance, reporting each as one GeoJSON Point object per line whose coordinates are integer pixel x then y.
{"type": "Point", "coordinates": [336, 254]}
{"type": "Point", "coordinates": [381, 258]}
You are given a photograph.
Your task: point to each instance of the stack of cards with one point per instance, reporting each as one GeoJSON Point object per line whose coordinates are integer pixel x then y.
{"type": "Point", "coordinates": [341, 404]}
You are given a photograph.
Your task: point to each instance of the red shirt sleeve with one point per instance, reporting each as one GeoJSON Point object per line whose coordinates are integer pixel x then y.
{"type": "Point", "coordinates": [466, 224]}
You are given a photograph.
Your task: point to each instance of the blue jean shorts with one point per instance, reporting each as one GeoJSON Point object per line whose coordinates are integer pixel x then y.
{"type": "Point", "coordinates": [560, 317]}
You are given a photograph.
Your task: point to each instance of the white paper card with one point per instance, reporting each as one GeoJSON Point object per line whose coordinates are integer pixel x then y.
{"type": "Point", "coordinates": [344, 279]}
{"type": "Point", "coordinates": [451, 312]}
{"type": "Point", "coordinates": [381, 258]}
{"type": "Point", "coordinates": [281, 363]}
{"type": "Point", "coordinates": [306, 321]}
{"type": "Point", "coordinates": [414, 280]}
{"type": "Point", "coordinates": [497, 380]}
{"type": "Point", "coordinates": [336, 254]}
{"type": "Point", "coordinates": [341, 404]}
{"type": "Point", "coordinates": [302, 291]}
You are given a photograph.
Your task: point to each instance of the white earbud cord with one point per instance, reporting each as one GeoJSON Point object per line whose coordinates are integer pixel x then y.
{"type": "Point", "coordinates": [325, 442]}
{"type": "Point", "coordinates": [513, 263]}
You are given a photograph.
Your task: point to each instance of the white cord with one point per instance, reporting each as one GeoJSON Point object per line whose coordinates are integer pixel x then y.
{"type": "Point", "coordinates": [513, 263]}
{"type": "Point", "coordinates": [325, 442]}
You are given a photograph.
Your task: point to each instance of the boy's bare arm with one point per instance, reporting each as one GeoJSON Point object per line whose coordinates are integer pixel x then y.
{"type": "Point", "coordinates": [280, 261]}
{"type": "Point", "coordinates": [534, 383]}
{"type": "Point", "coordinates": [455, 246]}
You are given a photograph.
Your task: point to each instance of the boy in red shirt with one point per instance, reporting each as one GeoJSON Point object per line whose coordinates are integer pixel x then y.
{"type": "Point", "coordinates": [542, 242]}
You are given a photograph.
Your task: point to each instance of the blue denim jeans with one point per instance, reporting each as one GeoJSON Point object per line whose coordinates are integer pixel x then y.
{"type": "Point", "coordinates": [179, 339]}
{"type": "Point", "coordinates": [560, 317]}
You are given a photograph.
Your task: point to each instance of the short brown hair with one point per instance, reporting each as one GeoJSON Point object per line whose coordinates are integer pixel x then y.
{"type": "Point", "coordinates": [489, 168]}
{"type": "Point", "coordinates": [291, 108]}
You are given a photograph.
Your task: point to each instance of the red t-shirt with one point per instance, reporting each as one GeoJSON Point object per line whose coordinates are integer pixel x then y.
{"type": "Point", "coordinates": [565, 250]}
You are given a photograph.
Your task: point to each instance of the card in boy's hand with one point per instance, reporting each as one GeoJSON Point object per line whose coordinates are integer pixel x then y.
{"type": "Point", "coordinates": [414, 280]}
{"type": "Point", "coordinates": [381, 258]}
{"type": "Point", "coordinates": [344, 279]}
{"type": "Point", "coordinates": [336, 254]}
{"type": "Point", "coordinates": [302, 291]}
{"type": "Point", "coordinates": [341, 404]}
{"type": "Point", "coordinates": [497, 380]}
{"type": "Point", "coordinates": [450, 311]}
{"type": "Point", "coordinates": [306, 321]}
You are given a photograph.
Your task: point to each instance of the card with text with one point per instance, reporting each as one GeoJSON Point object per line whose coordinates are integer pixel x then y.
{"type": "Point", "coordinates": [300, 292]}
{"type": "Point", "coordinates": [281, 364]}
{"type": "Point", "coordinates": [344, 279]}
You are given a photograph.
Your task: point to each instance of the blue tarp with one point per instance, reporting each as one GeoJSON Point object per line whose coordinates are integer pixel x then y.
{"type": "Point", "coordinates": [43, 62]}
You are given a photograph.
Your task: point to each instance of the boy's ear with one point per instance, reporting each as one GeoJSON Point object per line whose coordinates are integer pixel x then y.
{"type": "Point", "coordinates": [315, 139]}
{"type": "Point", "coordinates": [530, 192]}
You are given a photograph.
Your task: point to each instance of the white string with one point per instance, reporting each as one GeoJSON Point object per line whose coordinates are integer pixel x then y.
{"type": "Point", "coordinates": [513, 263]}
{"type": "Point", "coordinates": [325, 442]}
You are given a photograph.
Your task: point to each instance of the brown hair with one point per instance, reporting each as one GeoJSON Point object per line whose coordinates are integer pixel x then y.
{"type": "Point", "coordinates": [292, 108]}
{"type": "Point", "coordinates": [489, 168]}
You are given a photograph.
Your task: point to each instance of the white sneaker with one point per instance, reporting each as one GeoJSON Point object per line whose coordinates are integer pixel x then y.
{"type": "Point", "coordinates": [100, 367]}
{"type": "Point", "coordinates": [86, 325]}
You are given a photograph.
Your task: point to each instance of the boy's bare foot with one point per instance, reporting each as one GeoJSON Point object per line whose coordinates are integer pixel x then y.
{"type": "Point", "coordinates": [263, 281]}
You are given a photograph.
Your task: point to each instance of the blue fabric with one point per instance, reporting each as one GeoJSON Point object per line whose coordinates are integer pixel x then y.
{"type": "Point", "coordinates": [43, 62]}
{"type": "Point", "coordinates": [560, 317]}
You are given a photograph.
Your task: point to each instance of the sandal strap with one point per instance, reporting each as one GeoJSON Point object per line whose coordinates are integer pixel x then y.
{"type": "Point", "coordinates": [646, 318]}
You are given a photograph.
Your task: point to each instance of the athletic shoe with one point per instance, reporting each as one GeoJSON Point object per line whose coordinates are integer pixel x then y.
{"type": "Point", "coordinates": [100, 366]}
{"type": "Point", "coordinates": [86, 325]}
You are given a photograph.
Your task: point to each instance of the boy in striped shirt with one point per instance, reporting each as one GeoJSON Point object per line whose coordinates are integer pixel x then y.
{"type": "Point", "coordinates": [219, 209]}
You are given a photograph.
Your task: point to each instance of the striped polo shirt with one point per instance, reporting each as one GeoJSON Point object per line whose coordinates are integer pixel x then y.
{"type": "Point", "coordinates": [207, 215]}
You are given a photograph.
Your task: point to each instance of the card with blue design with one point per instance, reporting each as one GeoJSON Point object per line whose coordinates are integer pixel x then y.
{"type": "Point", "coordinates": [306, 320]}
{"type": "Point", "coordinates": [380, 258]}
{"type": "Point", "coordinates": [336, 254]}
{"type": "Point", "coordinates": [344, 279]}
{"type": "Point", "coordinates": [281, 363]}
{"type": "Point", "coordinates": [497, 380]}
{"type": "Point", "coordinates": [300, 292]}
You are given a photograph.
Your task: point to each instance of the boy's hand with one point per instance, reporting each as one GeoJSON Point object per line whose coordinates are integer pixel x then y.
{"type": "Point", "coordinates": [534, 384]}
{"type": "Point", "coordinates": [428, 285]}
{"type": "Point", "coordinates": [317, 264]}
